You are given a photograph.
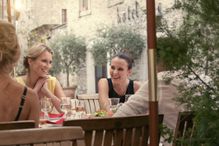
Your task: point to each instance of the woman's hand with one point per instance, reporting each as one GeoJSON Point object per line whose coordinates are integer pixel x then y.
{"type": "Point", "coordinates": [54, 99]}
{"type": "Point", "coordinates": [40, 95]}
{"type": "Point", "coordinates": [45, 91]}
{"type": "Point", "coordinates": [39, 84]}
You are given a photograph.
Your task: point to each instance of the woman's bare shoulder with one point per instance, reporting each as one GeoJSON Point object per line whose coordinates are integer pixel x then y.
{"type": "Point", "coordinates": [137, 85]}
{"type": "Point", "coordinates": [103, 84]}
{"type": "Point", "coordinates": [102, 81]}
{"type": "Point", "coordinates": [20, 88]}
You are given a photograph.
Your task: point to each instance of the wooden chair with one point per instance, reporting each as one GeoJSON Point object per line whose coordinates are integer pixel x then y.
{"type": "Point", "coordinates": [116, 131]}
{"type": "Point", "coordinates": [91, 102]}
{"type": "Point", "coordinates": [184, 128]}
{"type": "Point", "coordinates": [17, 125]}
{"type": "Point", "coordinates": [62, 136]}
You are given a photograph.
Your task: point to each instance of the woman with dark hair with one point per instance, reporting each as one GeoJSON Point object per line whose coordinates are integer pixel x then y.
{"type": "Point", "coordinates": [119, 84]}
{"type": "Point", "coordinates": [168, 83]}
{"type": "Point", "coordinates": [17, 102]}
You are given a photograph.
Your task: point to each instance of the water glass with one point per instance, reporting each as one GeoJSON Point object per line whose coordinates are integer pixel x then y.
{"type": "Point", "coordinates": [46, 106]}
{"type": "Point", "coordinates": [80, 109]}
{"type": "Point", "coordinates": [65, 105]}
{"type": "Point", "coordinates": [74, 103]}
{"type": "Point", "coordinates": [77, 109]}
{"type": "Point", "coordinates": [114, 102]}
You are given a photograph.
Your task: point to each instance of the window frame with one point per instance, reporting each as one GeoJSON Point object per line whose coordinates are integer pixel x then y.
{"type": "Point", "coordinates": [114, 2]}
{"type": "Point", "coordinates": [84, 7]}
{"type": "Point", "coordinates": [64, 16]}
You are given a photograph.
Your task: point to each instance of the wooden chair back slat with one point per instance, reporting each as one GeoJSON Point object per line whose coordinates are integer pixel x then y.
{"type": "Point", "coordinates": [108, 138]}
{"type": "Point", "coordinates": [117, 130]}
{"type": "Point", "coordinates": [97, 104]}
{"type": "Point", "coordinates": [128, 136]}
{"type": "Point", "coordinates": [92, 106]}
{"type": "Point", "coordinates": [63, 136]}
{"type": "Point", "coordinates": [87, 105]}
{"type": "Point", "coordinates": [91, 102]}
{"type": "Point", "coordinates": [138, 133]}
{"type": "Point", "coordinates": [100, 135]}
{"type": "Point", "coordinates": [119, 137]}
{"type": "Point", "coordinates": [184, 127]}
{"type": "Point", "coordinates": [88, 137]}
{"type": "Point", "coordinates": [17, 125]}
{"type": "Point", "coordinates": [145, 133]}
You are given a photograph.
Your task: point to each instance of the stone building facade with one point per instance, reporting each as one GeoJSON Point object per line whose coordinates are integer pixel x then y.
{"type": "Point", "coordinates": [85, 22]}
{"type": "Point", "coordinates": [83, 17]}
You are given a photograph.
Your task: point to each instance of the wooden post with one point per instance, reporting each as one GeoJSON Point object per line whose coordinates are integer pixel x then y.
{"type": "Point", "coordinates": [152, 74]}
{"type": "Point", "coordinates": [9, 10]}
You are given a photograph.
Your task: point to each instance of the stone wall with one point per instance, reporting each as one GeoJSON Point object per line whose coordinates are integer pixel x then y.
{"type": "Point", "coordinates": [85, 23]}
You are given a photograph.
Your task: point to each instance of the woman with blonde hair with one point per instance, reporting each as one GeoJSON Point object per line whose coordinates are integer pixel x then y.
{"type": "Point", "coordinates": [38, 62]}
{"type": "Point", "coordinates": [17, 102]}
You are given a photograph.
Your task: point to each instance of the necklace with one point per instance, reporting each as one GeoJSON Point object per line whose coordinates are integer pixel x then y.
{"type": "Point", "coordinates": [120, 89]}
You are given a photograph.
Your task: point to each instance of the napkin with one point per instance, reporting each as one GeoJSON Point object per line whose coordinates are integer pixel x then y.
{"type": "Point", "coordinates": [54, 118]}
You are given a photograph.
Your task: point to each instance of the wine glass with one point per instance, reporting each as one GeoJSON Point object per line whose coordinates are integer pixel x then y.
{"type": "Point", "coordinates": [127, 97]}
{"type": "Point", "coordinates": [80, 110]}
{"type": "Point", "coordinates": [114, 102]}
{"type": "Point", "coordinates": [74, 102]}
{"type": "Point", "coordinates": [65, 105]}
{"type": "Point", "coordinates": [80, 106]}
{"type": "Point", "coordinates": [46, 106]}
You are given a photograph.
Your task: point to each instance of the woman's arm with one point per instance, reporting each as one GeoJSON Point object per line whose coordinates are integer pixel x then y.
{"type": "Point", "coordinates": [53, 90]}
{"type": "Point", "coordinates": [56, 96]}
{"type": "Point", "coordinates": [39, 84]}
{"type": "Point", "coordinates": [103, 90]}
{"type": "Point", "coordinates": [137, 85]}
{"type": "Point", "coordinates": [59, 90]}
{"type": "Point", "coordinates": [58, 93]}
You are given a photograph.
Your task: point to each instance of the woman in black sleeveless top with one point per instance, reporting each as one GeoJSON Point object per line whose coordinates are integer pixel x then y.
{"type": "Point", "coordinates": [119, 84]}
{"type": "Point", "coordinates": [113, 93]}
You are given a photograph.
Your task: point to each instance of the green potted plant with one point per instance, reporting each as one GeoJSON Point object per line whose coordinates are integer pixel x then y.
{"type": "Point", "coordinates": [196, 47]}
{"type": "Point", "coordinates": [116, 39]}
{"type": "Point", "coordinates": [69, 54]}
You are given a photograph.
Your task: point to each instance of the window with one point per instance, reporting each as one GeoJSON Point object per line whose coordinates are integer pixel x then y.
{"type": "Point", "coordinates": [159, 23]}
{"type": "Point", "coordinates": [84, 7]}
{"type": "Point", "coordinates": [159, 16]}
{"type": "Point", "coordinates": [100, 72]}
{"type": "Point", "coordinates": [64, 16]}
{"type": "Point", "coordinates": [159, 9]}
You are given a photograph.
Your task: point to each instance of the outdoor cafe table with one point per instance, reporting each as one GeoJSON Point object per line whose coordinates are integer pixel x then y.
{"type": "Point", "coordinates": [56, 120]}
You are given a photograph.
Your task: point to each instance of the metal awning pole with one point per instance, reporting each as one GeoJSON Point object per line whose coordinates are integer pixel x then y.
{"type": "Point", "coordinates": [152, 73]}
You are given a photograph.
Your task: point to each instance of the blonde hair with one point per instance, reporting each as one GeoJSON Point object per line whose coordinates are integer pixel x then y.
{"type": "Point", "coordinates": [35, 51]}
{"type": "Point", "coordinates": [9, 46]}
